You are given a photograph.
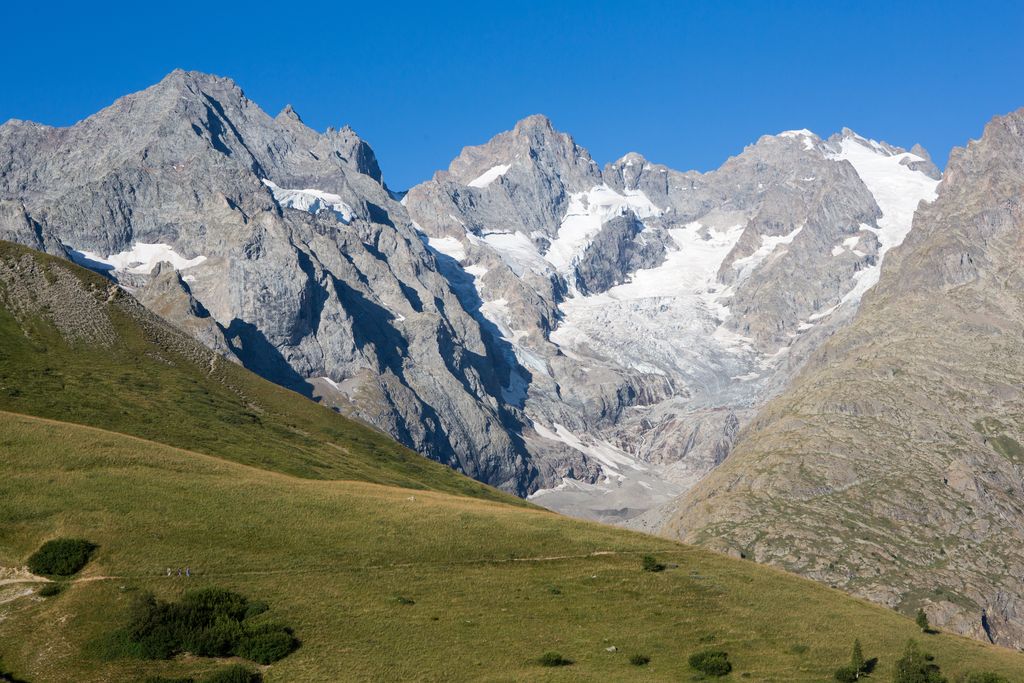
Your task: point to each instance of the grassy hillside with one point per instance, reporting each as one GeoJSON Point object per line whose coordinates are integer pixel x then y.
{"type": "Point", "coordinates": [493, 586]}
{"type": "Point", "coordinates": [77, 349]}
{"type": "Point", "coordinates": [387, 566]}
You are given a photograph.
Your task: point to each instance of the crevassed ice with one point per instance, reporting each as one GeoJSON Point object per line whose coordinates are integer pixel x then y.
{"type": "Point", "coordinates": [663, 320]}
{"type": "Point", "coordinates": [310, 200]}
{"type": "Point", "coordinates": [490, 175]}
{"type": "Point", "coordinates": [140, 259]}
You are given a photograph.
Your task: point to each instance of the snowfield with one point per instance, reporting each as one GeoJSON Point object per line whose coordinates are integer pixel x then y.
{"type": "Point", "coordinates": [897, 190]}
{"type": "Point", "coordinates": [141, 259]}
{"type": "Point", "coordinates": [490, 175]}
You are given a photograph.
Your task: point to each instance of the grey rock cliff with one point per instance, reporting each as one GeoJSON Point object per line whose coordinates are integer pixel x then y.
{"type": "Point", "coordinates": [330, 287]}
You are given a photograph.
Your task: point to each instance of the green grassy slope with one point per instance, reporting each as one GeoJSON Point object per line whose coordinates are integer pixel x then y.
{"type": "Point", "coordinates": [137, 375]}
{"type": "Point", "coordinates": [494, 586]}
{"type": "Point", "coordinates": [181, 459]}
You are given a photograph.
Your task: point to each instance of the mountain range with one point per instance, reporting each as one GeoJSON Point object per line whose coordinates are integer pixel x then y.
{"type": "Point", "coordinates": [684, 353]}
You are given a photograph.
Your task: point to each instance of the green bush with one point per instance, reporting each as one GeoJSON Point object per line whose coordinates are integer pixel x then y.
{"type": "Point", "coordinates": [711, 662]}
{"type": "Point", "coordinates": [922, 620]}
{"type": "Point", "coordinates": [210, 622]}
{"type": "Point", "coordinates": [858, 667]}
{"type": "Point", "coordinates": [639, 660]}
{"type": "Point", "coordinates": [652, 565]}
{"type": "Point", "coordinates": [255, 608]}
{"type": "Point", "coordinates": [266, 643]}
{"type": "Point", "coordinates": [50, 589]}
{"type": "Point", "coordinates": [61, 557]}
{"type": "Point", "coordinates": [233, 674]}
{"type": "Point", "coordinates": [847, 674]}
{"type": "Point", "coordinates": [554, 659]}
{"type": "Point", "coordinates": [917, 667]}
{"type": "Point", "coordinates": [165, 679]}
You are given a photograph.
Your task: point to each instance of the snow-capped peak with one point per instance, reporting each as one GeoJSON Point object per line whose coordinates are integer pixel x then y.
{"type": "Point", "coordinates": [809, 139]}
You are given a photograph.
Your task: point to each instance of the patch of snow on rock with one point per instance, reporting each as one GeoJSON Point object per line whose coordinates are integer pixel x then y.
{"type": "Point", "coordinates": [587, 212]}
{"type": "Point", "coordinates": [140, 259]}
{"type": "Point", "coordinates": [490, 175]}
{"type": "Point", "coordinates": [897, 190]}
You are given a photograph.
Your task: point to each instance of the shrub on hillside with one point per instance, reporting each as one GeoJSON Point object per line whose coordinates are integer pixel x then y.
{"type": "Point", "coordinates": [858, 667]}
{"type": "Point", "coordinates": [50, 589]}
{"type": "Point", "coordinates": [711, 662]}
{"type": "Point", "coordinates": [233, 674]}
{"type": "Point", "coordinates": [916, 666]}
{"type": "Point", "coordinates": [210, 622]}
{"type": "Point", "coordinates": [236, 673]}
{"type": "Point", "coordinates": [266, 643]}
{"type": "Point", "coordinates": [922, 621]}
{"type": "Point", "coordinates": [639, 660]}
{"type": "Point", "coordinates": [61, 557]}
{"type": "Point", "coordinates": [554, 659]}
{"type": "Point", "coordinates": [650, 564]}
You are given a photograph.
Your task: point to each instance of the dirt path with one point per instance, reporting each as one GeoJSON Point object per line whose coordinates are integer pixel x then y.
{"type": "Point", "coordinates": [10, 575]}
{"type": "Point", "coordinates": [23, 576]}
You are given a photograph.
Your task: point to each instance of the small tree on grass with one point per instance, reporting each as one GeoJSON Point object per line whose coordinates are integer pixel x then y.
{"type": "Point", "coordinates": [858, 667]}
{"type": "Point", "coordinates": [652, 565]}
{"type": "Point", "coordinates": [916, 666]}
{"type": "Point", "coordinates": [639, 660]}
{"type": "Point", "coordinates": [922, 620]}
{"type": "Point", "coordinates": [711, 662]}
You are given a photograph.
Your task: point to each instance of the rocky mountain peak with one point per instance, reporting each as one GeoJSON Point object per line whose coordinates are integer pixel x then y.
{"type": "Point", "coordinates": [289, 113]}
{"type": "Point", "coordinates": [534, 122]}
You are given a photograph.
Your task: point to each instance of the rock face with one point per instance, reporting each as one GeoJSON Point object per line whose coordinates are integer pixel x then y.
{"type": "Point", "coordinates": [326, 290]}
{"type": "Point", "coordinates": [652, 311]}
{"type": "Point", "coordinates": [893, 466]}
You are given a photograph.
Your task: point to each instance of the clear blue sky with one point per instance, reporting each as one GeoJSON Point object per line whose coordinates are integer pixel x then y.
{"type": "Point", "coordinates": [685, 84]}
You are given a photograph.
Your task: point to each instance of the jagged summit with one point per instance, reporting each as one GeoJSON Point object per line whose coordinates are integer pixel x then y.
{"type": "Point", "coordinates": [289, 113]}
{"type": "Point", "coordinates": [534, 121]}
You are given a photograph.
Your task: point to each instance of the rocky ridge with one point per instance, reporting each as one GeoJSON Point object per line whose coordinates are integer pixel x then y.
{"type": "Point", "coordinates": [893, 466]}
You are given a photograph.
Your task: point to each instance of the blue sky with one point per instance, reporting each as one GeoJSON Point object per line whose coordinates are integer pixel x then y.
{"type": "Point", "coordinates": [685, 84]}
